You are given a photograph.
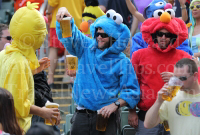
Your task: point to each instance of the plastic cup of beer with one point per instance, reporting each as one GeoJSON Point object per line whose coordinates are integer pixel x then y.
{"type": "Point", "coordinates": [72, 62]}
{"type": "Point", "coordinates": [166, 125]}
{"type": "Point", "coordinates": [174, 86]}
{"type": "Point", "coordinates": [101, 122]}
{"type": "Point", "coordinates": [51, 105]}
{"type": "Point", "coordinates": [66, 27]}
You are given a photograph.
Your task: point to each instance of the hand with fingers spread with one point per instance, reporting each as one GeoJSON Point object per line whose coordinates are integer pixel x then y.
{"type": "Point", "coordinates": [133, 118]}
{"type": "Point", "coordinates": [61, 13]}
{"type": "Point", "coordinates": [49, 113]}
{"type": "Point", "coordinates": [106, 111]}
{"type": "Point", "coordinates": [166, 76]}
{"type": "Point", "coordinates": [44, 63]}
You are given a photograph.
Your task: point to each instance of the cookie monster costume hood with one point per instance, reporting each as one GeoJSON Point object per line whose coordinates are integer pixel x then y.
{"type": "Point", "coordinates": [166, 21]}
{"type": "Point", "coordinates": [114, 28]}
{"type": "Point", "coordinates": [102, 75]}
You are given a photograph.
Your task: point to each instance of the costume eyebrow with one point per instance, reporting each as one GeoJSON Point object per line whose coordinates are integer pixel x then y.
{"type": "Point", "coordinates": [89, 15]}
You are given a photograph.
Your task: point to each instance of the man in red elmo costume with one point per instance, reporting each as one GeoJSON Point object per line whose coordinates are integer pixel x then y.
{"type": "Point", "coordinates": [153, 65]}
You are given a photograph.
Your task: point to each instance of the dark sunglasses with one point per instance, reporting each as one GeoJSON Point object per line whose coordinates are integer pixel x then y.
{"type": "Point", "coordinates": [103, 35]}
{"type": "Point", "coordinates": [7, 37]}
{"type": "Point", "coordinates": [184, 78]}
{"type": "Point", "coordinates": [195, 6]}
{"type": "Point", "coordinates": [160, 34]}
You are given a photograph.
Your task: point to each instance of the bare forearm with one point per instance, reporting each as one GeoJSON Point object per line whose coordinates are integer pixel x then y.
{"type": "Point", "coordinates": [35, 110]}
{"type": "Point", "coordinates": [184, 13]}
{"type": "Point", "coordinates": [152, 116]}
{"type": "Point", "coordinates": [49, 8]}
{"type": "Point", "coordinates": [134, 26]}
{"type": "Point", "coordinates": [134, 11]}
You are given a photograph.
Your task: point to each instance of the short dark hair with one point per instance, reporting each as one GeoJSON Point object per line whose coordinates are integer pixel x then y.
{"type": "Point", "coordinates": [192, 66]}
{"type": "Point", "coordinates": [3, 27]}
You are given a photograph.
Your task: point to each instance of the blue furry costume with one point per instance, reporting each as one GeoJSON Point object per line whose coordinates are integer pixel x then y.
{"type": "Point", "coordinates": [139, 43]}
{"type": "Point", "coordinates": [103, 76]}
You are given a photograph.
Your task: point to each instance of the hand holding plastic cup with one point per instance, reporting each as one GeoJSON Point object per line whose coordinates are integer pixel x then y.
{"type": "Point", "coordinates": [72, 62]}
{"type": "Point", "coordinates": [66, 27]}
{"type": "Point", "coordinates": [174, 86]}
{"type": "Point", "coordinates": [101, 122]}
{"type": "Point", "coordinates": [51, 105]}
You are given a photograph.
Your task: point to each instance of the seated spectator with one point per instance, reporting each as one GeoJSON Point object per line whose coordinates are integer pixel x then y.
{"type": "Point", "coordinates": [8, 120]}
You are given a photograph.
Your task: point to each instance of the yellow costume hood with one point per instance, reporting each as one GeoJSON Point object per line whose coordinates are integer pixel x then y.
{"type": "Point", "coordinates": [28, 30]}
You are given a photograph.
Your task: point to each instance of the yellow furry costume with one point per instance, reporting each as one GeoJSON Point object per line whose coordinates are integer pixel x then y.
{"type": "Point", "coordinates": [17, 61]}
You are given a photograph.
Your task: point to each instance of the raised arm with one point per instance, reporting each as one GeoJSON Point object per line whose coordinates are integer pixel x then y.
{"type": "Point", "coordinates": [78, 42]}
{"type": "Point", "coordinates": [152, 117]}
{"type": "Point", "coordinates": [134, 11]}
{"type": "Point", "coordinates": [183, 10]}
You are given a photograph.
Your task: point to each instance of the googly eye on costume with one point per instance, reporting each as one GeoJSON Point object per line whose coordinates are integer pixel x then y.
{"type": "Point", "coordinates": [157, 13]}
{"type": "Point", "coordinates": [171, 12]}
{"type": "Point", "coordinates": [159, 4]}
{"type": "Point", "coordinates": [118, 18]}
{"type": "Point", "coordinates": [110, 13]}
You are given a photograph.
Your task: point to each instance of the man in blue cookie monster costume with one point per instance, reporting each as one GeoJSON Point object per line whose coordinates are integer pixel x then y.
{"type": "Point", "coordinates": [105, 79]}
{"type": "Point", "coordinates": [139, 43]}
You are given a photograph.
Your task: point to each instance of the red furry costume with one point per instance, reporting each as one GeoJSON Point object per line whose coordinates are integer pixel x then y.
{"type": "Point", "coordinates": [152, 61]}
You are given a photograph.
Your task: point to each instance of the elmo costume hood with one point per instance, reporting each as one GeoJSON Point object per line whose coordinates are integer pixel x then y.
{"type": "Point", "coordinates": [164, 20]}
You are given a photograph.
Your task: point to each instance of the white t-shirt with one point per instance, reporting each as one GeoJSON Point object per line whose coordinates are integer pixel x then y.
{"type": "Point", "coordinates": [182, 114]}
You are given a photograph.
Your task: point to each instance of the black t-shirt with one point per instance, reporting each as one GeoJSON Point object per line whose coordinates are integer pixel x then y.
{"type": "Point", "coordinates": [120, 7]}
{"type": "Point", "coordinates": [177, 9]}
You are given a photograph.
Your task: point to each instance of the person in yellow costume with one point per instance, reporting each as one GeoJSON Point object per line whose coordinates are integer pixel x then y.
{"type": "Point", "coordinates": [18, 63]}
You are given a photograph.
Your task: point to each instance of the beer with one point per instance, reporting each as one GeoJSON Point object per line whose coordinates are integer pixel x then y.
{"type": "Point", "coordinates": [51, 105]}
{"type": "Point", "coordinates": [101, 123]}
{"type": "Point", "coordinates": [166, 125]}
{"type": "Point", "coordinates": [72, 62]}
{"type": "Point", "coordinates": [173, 87]}
{"type": "Point", "coordinates": [172, 90]}
{"type": "Point", "coordinates": [66, 27]}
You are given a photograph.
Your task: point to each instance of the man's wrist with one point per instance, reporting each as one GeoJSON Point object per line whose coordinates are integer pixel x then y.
{"type": "Point", "coordinates": [183, 6]}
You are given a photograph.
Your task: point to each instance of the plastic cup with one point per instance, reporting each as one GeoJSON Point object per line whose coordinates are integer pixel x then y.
{"type": "Point", "coordinates": [101, 122]}
{"type": "Point", "coordinates": [51, 105]}
{"type": "Point", "coordinates": [174, 86]}
{"type": "Point", "coordinates": [66, 27]}
{"type": "Point", "coordinates": [166, 125]}
{"type": "Point", "coordinates": [71, 62]}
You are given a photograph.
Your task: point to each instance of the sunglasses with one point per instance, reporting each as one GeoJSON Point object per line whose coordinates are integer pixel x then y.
{"type": "Point", "coordinates": [103, 35]}
{"type": "Point", "coordinates": [195, 6]}
{"type": "Point", "coordinates": [160, 34]}
{"type": "Point", "coordinates": [184, 78]}
{"type": "Point", "coordinates": [7, 37]}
